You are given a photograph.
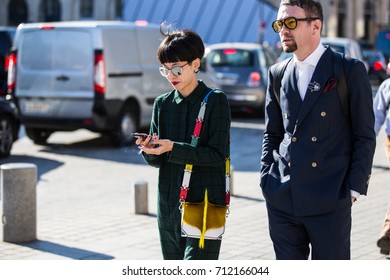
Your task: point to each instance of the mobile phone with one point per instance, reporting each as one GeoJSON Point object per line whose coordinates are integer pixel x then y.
{"type": "Point", "coordinates": [141, 135]}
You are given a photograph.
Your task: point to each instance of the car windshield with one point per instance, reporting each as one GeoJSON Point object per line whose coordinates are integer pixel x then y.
{"type": "Point", "coordinates": [231, 57]}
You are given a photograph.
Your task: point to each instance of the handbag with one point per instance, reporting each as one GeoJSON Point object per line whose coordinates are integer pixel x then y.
{"type": "Point", "coordinates": [203, 220]}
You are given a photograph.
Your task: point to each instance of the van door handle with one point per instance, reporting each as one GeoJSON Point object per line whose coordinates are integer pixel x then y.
{"type": "Point", "coordinates": [62, 78]}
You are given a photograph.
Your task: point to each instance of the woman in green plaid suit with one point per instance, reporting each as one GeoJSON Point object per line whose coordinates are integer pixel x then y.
{"type": "Point", "coordinates": [169, 147]}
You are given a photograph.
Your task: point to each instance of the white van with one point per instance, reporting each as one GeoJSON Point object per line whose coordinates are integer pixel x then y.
{"type": "Point", "coordinates": [101, 76]}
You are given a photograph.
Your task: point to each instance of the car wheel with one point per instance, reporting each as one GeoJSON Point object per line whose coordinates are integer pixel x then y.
{"type": "Point", "coordinates": [127, 125]}
{"type": "Point", "coordinates": [7, 136]}
{"type": "Point", "coordinates": [37, 135]}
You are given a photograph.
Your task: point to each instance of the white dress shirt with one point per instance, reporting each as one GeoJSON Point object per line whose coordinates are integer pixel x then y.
{"type": "Point", "coordinates": [304, 69]}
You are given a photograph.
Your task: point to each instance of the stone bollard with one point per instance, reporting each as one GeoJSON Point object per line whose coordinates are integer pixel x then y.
{"type": "Point", "coordinates": [18, 202]}
{"type": "Point", "coordinates": [141, 197]}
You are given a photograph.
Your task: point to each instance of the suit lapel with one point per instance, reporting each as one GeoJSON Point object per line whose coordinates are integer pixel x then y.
{"type": "Point", "coordinates": [321, 75]}
{"type": "Point", "coordinates": [290, 87]}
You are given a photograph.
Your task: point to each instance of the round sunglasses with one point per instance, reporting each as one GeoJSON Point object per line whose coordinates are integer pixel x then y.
{"type": "Point", "coordinates": [177, 70]}
{"type": "Point", "coordinates": [290, 22]}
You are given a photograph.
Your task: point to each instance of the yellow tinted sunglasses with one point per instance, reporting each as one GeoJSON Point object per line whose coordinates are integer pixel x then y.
{"type": "Point", "coordinates": [290, 22]}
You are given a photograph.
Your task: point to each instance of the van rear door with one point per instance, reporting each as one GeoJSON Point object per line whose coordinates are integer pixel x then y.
{"type": "Point", "coordinates": [55, 72]}
{"type": "Point", "coordinates": [153, 84]}
{"type": "Point", "coordinates": [122, 61]}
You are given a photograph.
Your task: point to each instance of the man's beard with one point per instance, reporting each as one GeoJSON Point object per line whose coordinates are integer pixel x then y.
{"type": "Point", "coordinates": [290, 48]}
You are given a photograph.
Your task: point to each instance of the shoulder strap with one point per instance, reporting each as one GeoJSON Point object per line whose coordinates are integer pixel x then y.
{"type": "Point", "coordinates": [342, 87]}
{"type": "Point", "coordinates": [278, 75]}
{"type": "Point", "coordinates": [188, 167]}
{"type": "Point", "coordinates": [199, 119]}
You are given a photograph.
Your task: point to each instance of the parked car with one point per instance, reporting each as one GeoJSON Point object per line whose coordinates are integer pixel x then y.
{"type": "Point", "coordinates": [241, 71]}
{"type": "Point", "coordinates": [6, 37]}
{"type": "Point", "coordinates": [98, 75]}
{"type": "Point", "coordinates": [346, 46]}
{"type": "Point", "coordinates": [9, 125]}
{"type": "Point", "coordinates": [378, 69]}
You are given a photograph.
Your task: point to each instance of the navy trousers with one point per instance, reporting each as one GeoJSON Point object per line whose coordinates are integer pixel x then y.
{"type": "Point", "coordinates": [328, 235]}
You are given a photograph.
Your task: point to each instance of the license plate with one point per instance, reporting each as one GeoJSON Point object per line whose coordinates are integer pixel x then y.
{"type": "Point", "coordinates": [227, 79]}
{"type": "Point", "coordinates": [36, 107]}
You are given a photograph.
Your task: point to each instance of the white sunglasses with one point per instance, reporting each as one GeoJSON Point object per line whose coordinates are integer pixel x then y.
{"type": "Point", "coordinates": [177, 70]}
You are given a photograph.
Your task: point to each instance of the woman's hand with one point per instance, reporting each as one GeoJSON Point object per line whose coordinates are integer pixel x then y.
{"type": "Point", "coordinates": [147, 141]}
{"type": "Point", "coordinates": [159, 147]}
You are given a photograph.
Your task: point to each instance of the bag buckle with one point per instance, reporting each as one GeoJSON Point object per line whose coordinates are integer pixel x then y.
{"type": "Point", "coordinates": [181, 205]}
{"type": "Point", "coordinates": [183, 194]}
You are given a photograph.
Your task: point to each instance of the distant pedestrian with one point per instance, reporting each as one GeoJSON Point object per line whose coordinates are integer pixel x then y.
{"type": "Point", "coordinates": [382, 115]}
{"type": "Point", "coordinates": [316, 159]}
{"type": "Point", "coordinates": [170, 144]}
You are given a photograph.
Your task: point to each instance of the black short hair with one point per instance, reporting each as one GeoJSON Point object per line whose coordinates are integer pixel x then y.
{"type": "Point", "coordinates": [179, 45]}
{"type": "Point", "coordinates": [312, 8]}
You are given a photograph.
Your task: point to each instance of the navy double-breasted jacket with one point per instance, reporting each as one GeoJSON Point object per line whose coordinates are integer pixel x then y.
{"type": "Point", "coordinates": [312, 154]}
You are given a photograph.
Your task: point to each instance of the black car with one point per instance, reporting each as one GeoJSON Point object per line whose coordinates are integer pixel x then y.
{"type": "Point", "coordinates": [377, 71]}
{"type": "Point", "coordinates": [6, 38]}
{"type": "Point", "coordinates": [9, 126]}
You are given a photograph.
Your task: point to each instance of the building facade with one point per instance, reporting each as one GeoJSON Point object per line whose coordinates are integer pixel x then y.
{"type": "Point", "coordinates": [13, 12]}
{"type": "Point", "coordinates": [358, 19]}
{"type": "Point", "coordinates": [217, 20]}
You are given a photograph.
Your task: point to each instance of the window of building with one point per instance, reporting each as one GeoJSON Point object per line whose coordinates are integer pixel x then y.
{"type": "Point", "coordinates": [118, 9]}
{"type": "Point", "coordinates": [17, 12]}
{"type": "Point", "coordinates": [369, 9]}
{"type": "Point", "coordinates": [341, 16]}
{"type": "Point", "coordinates": [86, 8]}
{"type": "Point", "coordinates": [388, 14]}
{"type": "Point", "coordinates": [51, 10]}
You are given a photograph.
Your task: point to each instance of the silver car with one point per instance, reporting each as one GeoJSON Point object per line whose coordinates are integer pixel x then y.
{"type": "Point", "coordinates": [241, 71]}
{"type": "Point", "coordinates": [347, 46]}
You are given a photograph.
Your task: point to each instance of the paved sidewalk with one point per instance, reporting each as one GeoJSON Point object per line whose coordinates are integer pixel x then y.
{"type": "Point", "coordinates": [98, 222]}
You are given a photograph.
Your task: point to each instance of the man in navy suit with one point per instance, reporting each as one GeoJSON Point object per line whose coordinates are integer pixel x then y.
{"type": "Point", "coordinates": [316, 161]}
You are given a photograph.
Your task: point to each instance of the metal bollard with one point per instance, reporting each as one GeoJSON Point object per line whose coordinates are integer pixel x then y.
{"type": "Point", "coordinates": [18, 202]}
{"type": "Point", "coordinates": [141, 197]}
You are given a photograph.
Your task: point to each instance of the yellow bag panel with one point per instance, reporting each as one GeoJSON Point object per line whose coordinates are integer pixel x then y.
{"type": "Point", "coordinates": [193, 215]}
